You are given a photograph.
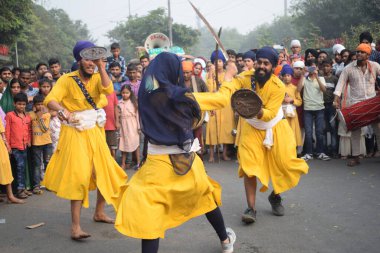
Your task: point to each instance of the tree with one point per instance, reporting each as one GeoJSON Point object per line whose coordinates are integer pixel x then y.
{"type": "Point", "coordinates": [333, 17]}
{"type": "Point", "coordinates": [135, 30]}
{"type": "Point", "coordinates": [14, 15]}
{"type": "Point", "coordinates": [49, 34]}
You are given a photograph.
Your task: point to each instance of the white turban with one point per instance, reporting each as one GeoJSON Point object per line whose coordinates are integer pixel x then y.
{"type": "Point", "coordinates": [295, 43]}
{"type": "Point", "coordinates": [299, 64]}
{"type": "Point", "coordinates": [337, 48]}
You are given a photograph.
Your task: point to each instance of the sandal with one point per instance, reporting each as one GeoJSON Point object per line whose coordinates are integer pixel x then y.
{"type": "Point", "coordinates": [353, 162]}
{"type": "Point", "coordinates": [21, 194]}
{"type": "Point", "coordinates": [37, 190]}
{"type": "Point", "coordinates": [29, 193]}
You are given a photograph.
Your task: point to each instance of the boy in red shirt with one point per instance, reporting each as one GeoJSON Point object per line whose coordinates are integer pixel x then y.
{"type": "Point", "coordinates": [18, 133]}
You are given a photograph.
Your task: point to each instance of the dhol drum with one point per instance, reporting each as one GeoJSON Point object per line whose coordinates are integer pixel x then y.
{"type": "Point", "coordinates": [246, 103]}
{"type": "Point", "coordinates": [360, 114]}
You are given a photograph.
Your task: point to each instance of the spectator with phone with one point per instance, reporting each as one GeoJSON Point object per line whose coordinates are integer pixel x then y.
{"type": "Point", "coordinates": [313, 88]}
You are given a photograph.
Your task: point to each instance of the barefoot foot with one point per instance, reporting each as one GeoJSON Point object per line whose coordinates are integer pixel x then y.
{"type": "Point", "coordinates": [103, 218]}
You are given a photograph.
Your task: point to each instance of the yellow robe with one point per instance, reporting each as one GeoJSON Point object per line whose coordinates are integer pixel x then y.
{"type": "Point", "coordinates": [279, 164]}
{"type": "Point", "coordinates": [292, 92]}
{"type": "Point", "coordinates": [82, 160]}
{"type": "Point", "coordinates": [158, 199]}
{"type": "Point", "coordinates": [5, 165]}
{"type": "Point", "coordinates": [220, 125]}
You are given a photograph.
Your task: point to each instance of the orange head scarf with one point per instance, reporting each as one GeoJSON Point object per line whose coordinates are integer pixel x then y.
{"type": "Point", "coordinates": [365, 48]}
{"type": "Point", "coordinates": [187, 66]}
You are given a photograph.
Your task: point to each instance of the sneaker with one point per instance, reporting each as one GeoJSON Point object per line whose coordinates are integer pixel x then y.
{"type": "Point", "coordinates": [249, 216]}
{"type": "Point", "coordinates": [307, 157]}
{"type": "Point", "coordinates": [229, 247]}
{"type": "Point", "coordinates": [275, 201]}
{"type": "Point", "coordinates": [323, 157]}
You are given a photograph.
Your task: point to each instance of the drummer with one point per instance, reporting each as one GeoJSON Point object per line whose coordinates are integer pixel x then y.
{"type": "Point", "coordinates": [277, 161]}
{"type": "Point", "coordinates": [360, 75]}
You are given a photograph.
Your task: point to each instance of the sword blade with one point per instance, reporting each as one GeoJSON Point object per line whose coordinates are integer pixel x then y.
{"type": "Point", "coordinates": [209, 27]}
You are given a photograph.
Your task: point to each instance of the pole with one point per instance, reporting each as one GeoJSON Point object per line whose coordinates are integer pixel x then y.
{"type": "Point", "coordinates": [16, 54]}
{"type": "Point", "coordinates": [129, 6]}
{"type": "Point", "coordinates": [170, 25]}
{"type": "Point", "coordinates": [286, 8]}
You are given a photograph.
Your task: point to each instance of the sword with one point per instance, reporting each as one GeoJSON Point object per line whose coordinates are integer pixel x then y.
{"type": "Point", "coordinates": [217, 88]}
{"type": "Point", "coordinates": [209, 27]}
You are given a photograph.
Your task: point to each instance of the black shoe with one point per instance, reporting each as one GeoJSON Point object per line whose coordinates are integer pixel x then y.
{"type": "Point", "coordinates": [249, 216]}
{"type": "Point", "coordinates": [275, 201]}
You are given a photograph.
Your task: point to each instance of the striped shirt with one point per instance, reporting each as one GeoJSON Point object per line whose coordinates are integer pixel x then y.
{"type": "Point", "coordinates": [362, 85]}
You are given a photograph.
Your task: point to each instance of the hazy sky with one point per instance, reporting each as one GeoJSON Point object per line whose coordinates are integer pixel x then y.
{"type": "Point", "coordinates": [102, 16]}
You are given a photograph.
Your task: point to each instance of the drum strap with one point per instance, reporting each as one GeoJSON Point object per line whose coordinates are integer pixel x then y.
{"type": "Point", "coordinates": [346, 87]}
{"type": "Point", "coordinates": [85, 92]}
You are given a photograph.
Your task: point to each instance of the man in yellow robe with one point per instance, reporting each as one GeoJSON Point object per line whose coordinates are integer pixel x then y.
{"type": "Point", "coordinates": [276, 161]}
{"type": "Point", "coordinates": [82, 161]}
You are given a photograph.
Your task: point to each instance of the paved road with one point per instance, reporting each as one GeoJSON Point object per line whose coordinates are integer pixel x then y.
{"type": "Point", "coordinates": [334, 209]}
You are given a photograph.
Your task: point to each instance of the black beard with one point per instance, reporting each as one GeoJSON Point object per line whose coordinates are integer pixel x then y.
{"type": "Point", "coordinates": [84, 73]}
{"type": "Point", "coordinates": [262, 79]}
{"type": "Point", "coordinates": [359, 62]}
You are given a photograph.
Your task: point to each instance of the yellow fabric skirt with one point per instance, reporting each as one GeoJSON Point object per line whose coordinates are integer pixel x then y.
{"type": "Point", "coordinates": [158, 199]}
{"type": "Point", "coordinates": [83, 162]}
{"type": "Point", "coordinates": [220, 126]}
{"type": "Point", "coordinates": [295, 126]}
{"type": "Point", "coordinates": [5, 165]}
{"type": "Point", "coordinates": [279, 164]}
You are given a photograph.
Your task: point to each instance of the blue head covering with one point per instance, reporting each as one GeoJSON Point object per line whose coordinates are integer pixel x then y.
{"type": "Point", "coordinates": [167, 109]}
{"type": "Point", "coordinates": [81, 44]}
{"type": "Point", "coordinates": [249, 54]}
{"type": "Point", "coordinates": [268, 53]}
{"type": "Point", "coordinates": [220, 56]}
{"type": "Point", "coordinates": [287, 69]}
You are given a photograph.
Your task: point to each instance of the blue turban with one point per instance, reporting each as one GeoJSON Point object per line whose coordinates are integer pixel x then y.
{"type": "Point", "coordinates": [249, 54]}
{"type": "Point", "coordinates": [220, 56]}
{"type": "Point", "coordinates": [286, 69]}
{"type": "Point", "coordinates": [268, 53]}
{"type": "Point", "coordinates": [81, 44]}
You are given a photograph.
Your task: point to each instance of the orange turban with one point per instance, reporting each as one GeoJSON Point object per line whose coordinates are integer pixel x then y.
{"type": "Point", "coordinates": [277, 70]}
{"type": "Point", "coordinates": [187, 66]}
{"type": "Point", "coordinates": [365, 48]}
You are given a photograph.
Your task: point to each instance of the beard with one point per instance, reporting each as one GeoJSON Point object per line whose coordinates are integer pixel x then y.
{"type": "Point", "coordinates": [83, 71]}
{"type": "Point", "coordinates": [262, 79]}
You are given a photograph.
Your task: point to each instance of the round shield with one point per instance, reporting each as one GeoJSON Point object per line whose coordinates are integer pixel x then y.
{"type": "Point", "coordinates": [246, 103]}
{"type": "Point", "coordinates": [93, 53]}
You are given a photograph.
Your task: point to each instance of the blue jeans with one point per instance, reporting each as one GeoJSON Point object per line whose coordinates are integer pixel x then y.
{"type": "Point", "coordinates": [20, 158]}
{"type": "Point", "coordinates": [332, 127]}
{"type": "Point", "coordinates": [40, 153]}
{"type": "Point", "coordinates": [317, 117]}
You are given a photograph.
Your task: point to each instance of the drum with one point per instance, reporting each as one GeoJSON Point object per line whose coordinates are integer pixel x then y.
{"type": "Point", "coordinates": [246, 103]}
{"type": "Point", "coordinates": [360, 114]}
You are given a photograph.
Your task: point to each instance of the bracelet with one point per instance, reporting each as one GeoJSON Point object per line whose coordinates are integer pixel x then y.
{"type": "Point", "coordinates": [62, 113]}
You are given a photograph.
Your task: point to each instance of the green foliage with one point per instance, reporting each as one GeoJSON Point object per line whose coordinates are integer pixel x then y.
{"type": "Point", "coordinates": [133, 32]}
{"type": "Point", "coordinates": [333, 17]}
{"type": "Point", "coordinates": [49, 34]}
{"type": "Point", "coordinates": [14, 15]}
{"type": "Point", "coordinates": [351, 37]}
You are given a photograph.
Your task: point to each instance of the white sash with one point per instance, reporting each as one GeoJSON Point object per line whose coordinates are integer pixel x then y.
{"type": "Point", "coordinates": [87, 119]}
{"type": "Point", "coordinates": [154, 149]}
{"type": "Point", "coordinates": [263, 125]}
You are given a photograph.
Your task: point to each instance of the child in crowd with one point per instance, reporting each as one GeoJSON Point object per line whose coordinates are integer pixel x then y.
{"type": "Point", "coordinates": [18, 134]}
{"type": "Point", "coordinates": [133, 82]}
{"type": "Point", "coordinates": [116, 57]}
{"type": "Point", "coordinates": [7, 102]}
{"type": "Point", "coordinates": [45, 85]}
{"type": "Point", "coordinates": [111, 125]}
{"type": "Point", "coordinates": [116, 77]}
{"type": "Point", "coordinates": [41, 140]}
{"type": "Point", "coordinates": [291, 101]}
{"type": "Point", "coordinates": [330, 112]}
{"type": "Point", "coordinates": [129, 125]}
{"type": "Point", "coordinates": [6, 177]}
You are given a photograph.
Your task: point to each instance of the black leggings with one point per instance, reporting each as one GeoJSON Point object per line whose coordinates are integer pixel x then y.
{"type": "Point", "coordinates": [214, 217]}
